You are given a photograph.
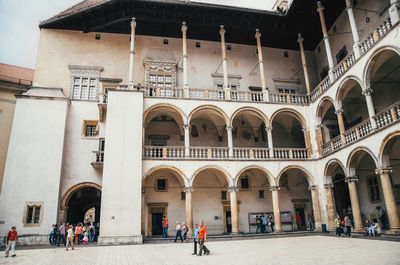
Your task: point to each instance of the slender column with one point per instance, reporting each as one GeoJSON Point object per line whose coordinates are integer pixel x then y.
{"type": "Point", "coordinates": [342, 129]}
{"type": "Point", "coordinates": [143, 211]}
{"type": "Point", "coordinates": [307, 141]}
{"type": "Point", "coordinates": [320, 10]}
{"type": "Point", "coordinates": [184, 56]}
{"type": "Point", "coordinates": [300, 40]}
{"type": "Point", "coordinates": [370, 106]}
{"type": "Point", "coordinates": [270, 143]}
{"type": "Point", "coordinates": [316, 207]}
{"type": "Point", "coordinates": [224, 63]}
{"type": "Point", "coordinates": [390, 201]}
{"type": "Point", "coordinates": [353, 26]}
{"type": "Point", "coordinates": [187, 140]}
{"type": "Point", "coordinates": [234, 209]}
{"type": "Point", "coordinates": [189, 209]}
{"type": "Point", "coordinates": [275, 205]}
{"type": "Point", "coordinates": [330, 203]}
{"type": "Point", "coordinates": [318, 138]}
{"type": "Point", "coordinates": [261, 65]}
{"type": "Point", "coordinates": [355, 206]}
{"type": "Point", "coordinates": [230, 141]}
{"type": "Point", "coordinates": [132, 51]}
{"type": "Point", "coordinates": [394, 11]}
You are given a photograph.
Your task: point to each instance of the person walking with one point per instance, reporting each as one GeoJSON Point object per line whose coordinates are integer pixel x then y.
{"type": "Point", "coordinates": [195, 238]}
{"type": "Point", "coordinates": [70, 238]}
{"type": "Point", "coordinates": [79, 233]}
{"type": "Point", "coordinates": [11, 241]}
{"type": "Point", "coordinates": [258, 223]}
{"type": "Point", "coordinates": [337, 225]}
{"type": "Point", "coordinates": [184, 232]}
{"type": "Point", "coordinates": [91, 232]}
{"type": "Point", "coordinates": [165, 227]}
{"type": "Point", "coordinates": [271, 223]}
{"type": "Point", "coordinates": [61, 237]}
{"type": "Point", "coordinates": [264, 224]}
{"type": "Point", "coordinates": [178, 232]}
{"type": "Point", "coordinates": [202, 235]}
{"type": "Point", "coordinates": [347, 224]}
{"type": "Point", "coordinates": [51, 235]}
{"type": "Point", "coordinates": [56, 236]}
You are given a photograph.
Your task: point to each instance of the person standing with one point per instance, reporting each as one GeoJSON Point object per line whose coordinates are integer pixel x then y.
{"type": "Point", "coordinates": [184, 232]}
{"type": "Point", "coordinates": [195, 238]}
{"type": "Point", "coordinates": [381, 217]}
{"type": "Point", "coordinates": [62, 235]}
{"type": "Point", "coordinates": [165, 227]}
{"type": "Point", "coordinates": [11, 241]}
{"type": "Point", "coordinates": [337, 225]}
{"type": "Point", "coordinates": [70, 238]}
{"type": "Point", "coordinates": [347, 224]}
{"type": "Point", "coordinates": [299, 221]}
{"type": "Point", "coordinates": [264, 224]}
{"type": "Point", "coordinates": [178, 232]}
{"type": "Point", "coordinates": [271, 223]}
{"type": "Point", "coordinates": [202, 235]}
{"type": "Point", "coordinates": [91, 232]}
{"type": "Point", "coordinates": [258, 223]}
{"type": "Point", "coordinates": [79, 233]}
{"type": "Point", "coordinates": [56, 235]}
{"type": "Point", "coordinates": [51, 235]}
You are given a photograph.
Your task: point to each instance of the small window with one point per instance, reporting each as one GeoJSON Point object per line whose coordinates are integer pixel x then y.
{"type": "Point", "coordinates": [165, 42]}
{"type": "Point", "coordinates": [33, 214]}
{"type": "Point", "coordinates": [244, 183]}
{"type": "Point", "coordinates": [194, 131]}
{"type": "Point", "coordinates": [197, 44]}
{"type": "Point", "coordinates": [161, 184]}
{"type": "Point", "coordinates": [228, 47]}
{"type": "Point", "coordinates": [90, 129]}
{"type": "Point", "coordinates": [373, 187]}
{"type": "Point", "coordinates": [97, 36]}
{"type": "Point", "coordinates": [286, 54]}
{"type": "Point", "coordinates": [261, 194]}
{"type": "Point", "coordinates": [341, 54]}
{"type": "Point", "coordinates": [183, 196]}
{"type": "Point", "coordinates": [223, 195]}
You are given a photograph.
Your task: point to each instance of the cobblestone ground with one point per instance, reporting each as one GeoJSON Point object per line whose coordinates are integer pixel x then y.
{"type": "Point", "coordinates": [296, 250]}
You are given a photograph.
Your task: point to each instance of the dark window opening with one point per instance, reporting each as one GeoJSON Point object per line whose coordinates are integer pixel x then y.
{"type": "Point", "coordinates": [374, 189]}
{"type": "Point", "coordinates": [90, 130]}
{"type": "Point", "coordinates": [29, 215]}
{"type": "Point", "coordinates": [197, 44]}
{"type": "Point", "coordinates": [244, 183]}
{"type": "Point", "coordinates": [183, 196]}
{"type": "Point", "coordinates": [165, 42]}
{"type": "Point", "coordinates": [161, 184]}
{"type": "Point", "coordinates": [286, 54]}
{"type": "Point", "coordinates": [223, 195]}
{"type": "Point", "coordinates": [228, 47]}
{"type": "Point", "coordinates": [194, 131]}
{"type": "Point", "coordinates": [261, 194]}
{"type": "Point", "coordinates": [37, 215]}
{"type": "Point", "coordinates": [341, 54]}
{"type": "Point", "coordinates": [324, 72]}
{"type": "Point", "coordinates": [97, 36]}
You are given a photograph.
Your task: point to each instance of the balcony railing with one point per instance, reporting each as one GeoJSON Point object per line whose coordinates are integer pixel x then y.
{"type": "Point", "coordinates": [383, 119]}
{"type": "Point", "coordinates": [342, 67]}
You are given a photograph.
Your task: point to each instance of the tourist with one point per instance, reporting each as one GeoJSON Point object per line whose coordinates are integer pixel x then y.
{"type": "Point", "coordinates": [184, 232]}
{"type": "Point", "coordinates": [202, 235]}
{"type": "Point", "coordinates": [79, 233]}
{"type": "Point", "coordinates": [381, 217]}
{"type": "Point", "coordinates": [298, 221]}
{"type": "Point", "coordinates": [178, 232]}
{"type": "Point", "coordinates": [337, 223]}
{"type": "Point", "coordinates": [96, 231]}
{"type": "Point", "coordinates": [85, 239]}
{"type": "Point", "coordinates": [271, 223]}
{"type": "Point", "coordinates": [51, 235]}
{"type": "Point", "coordinates": [310, 223]}
{"type": "Point", "coordinates": [70, 238]}
{"type": "Point", "coordinates": [347, 224]}
{"type": "Point", "coordinates": [11, 241]}
{"type": "Point", "coordinates": [264, 224]}
{"type": "Point", "coordinates": [91, 232]}
{"type": "Point", "coordinates": [367, 226]}
{"type": "Point", "coordinates": [372, 230]}
{"type": "Point", "coordinates": [61, 235]}
{"type": "Point", "coordinates": [165, 227]}
{"type": "Point", "coordinates": [195, 238]}
{"type": "Point", "coordinates": [258, 222]}
{"type": "Point", "coordinates": [56, 235]}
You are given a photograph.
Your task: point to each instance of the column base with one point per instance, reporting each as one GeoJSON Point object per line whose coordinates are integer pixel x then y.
{"type": "Point", "coordinates": [120, 240]}
{"type": "Point", "coordinates": [393, 231]}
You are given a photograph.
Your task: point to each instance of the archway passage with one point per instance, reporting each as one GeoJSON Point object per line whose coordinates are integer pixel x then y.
{"type": "Point", "coordinates": [249, 129]}
{"type": "Point", "coordinates": [341, 193]}
{"type": "Point", "coordinates": [287, 131]}
{"type": "Point", "coordinates": [80, 201]}
{"type": "Point", "coordinates": [329, 121]}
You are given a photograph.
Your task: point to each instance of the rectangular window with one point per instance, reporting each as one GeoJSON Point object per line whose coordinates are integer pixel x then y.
{"type": "Point", "coordinates": [183, 196]}
{"type": "Point", "coordinates": [244, 183]}
{"type": "Point", "coordinates": [161, 184]}
{"type": "Point", "coordinates": [223, 195]}
{"type": "Point", "coordinates": [37, 215]}
{"type": "Point", "coordinates": [33, 213]}
{"type": "Point", "coordinates": [29, 215]}
{"type": "Point", "coordinates": [373, 187]}
{"type": "Point", "coordinates": [261, 194]}
{"type": "Point", "coordinates": [90, 129]}
{"type": "Point", "coordinates": [84, 87]}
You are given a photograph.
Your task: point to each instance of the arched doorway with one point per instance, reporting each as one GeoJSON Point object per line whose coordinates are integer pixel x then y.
{"type": "Point", "coordinates": [287, 130]}
{"type": "Point", "coordinates": [326, 113]}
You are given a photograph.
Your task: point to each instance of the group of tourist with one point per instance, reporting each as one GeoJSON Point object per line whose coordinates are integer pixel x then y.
{"type": "Point", "coordinates": [372, 228]}
{"type": "Point", "coordinates": [70, 234]}
{"type": "Point", "coordinates": [263, 221]}
{"type": "Point", "coordinates": [181, 232]}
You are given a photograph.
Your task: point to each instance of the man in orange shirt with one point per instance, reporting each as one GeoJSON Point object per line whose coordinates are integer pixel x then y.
{"type": "Point", "coordinates": [11, 241]}
{"type": "Point", "coordinates": [202, 238]}
{"type": "Point", "coordinates": [165, 227]}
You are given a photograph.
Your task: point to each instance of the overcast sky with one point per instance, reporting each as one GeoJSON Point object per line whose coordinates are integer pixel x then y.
{"type": "Point", "coordinates": [19, 20]}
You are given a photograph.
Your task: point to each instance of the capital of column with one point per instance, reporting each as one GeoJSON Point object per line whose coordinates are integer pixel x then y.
{"type": "Point", "coordinates": [272, 188]}
{"type": "Point", "coordinates": [320, 7]}
{"type": "Point", "coordinates": [229, 128]}
{"type": "Point", "coordinates": [367, 92]}
{"type": "Point", "coordinates": [188, 189]}
{"type": "Point", "coordinates": [258, 34]}
{"type": "Point", "coordinates": [312, 187]}
{"type": "Point", "coordinates": [133, 23]}
{"type": "Point", "coordinates": [300, 39]}
{"type": "Point", "coordinates": [268, 129]}
{"type": "Point", "coordinates": [328, 186]}
{"type": "Point", "coordinates": [383, 170]}
{"type": "Point", "coordinates": [233, 189]}
{"type": "Point", "coordinates": [186, 126]}
{"type": "Point", "coordinates": [222, 30]}
{"type": "Point", "coordinates": [184, 27]}
{"type": "Point", "coordinates": [339, 111]}
{"type": "Point", "coordinates": [304, 129]}
{"type": "Point", "coordinates": [351, 179]}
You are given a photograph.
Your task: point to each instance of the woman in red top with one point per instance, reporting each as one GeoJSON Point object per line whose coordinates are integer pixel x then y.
{"type": "Point", "coordinates": [79, 233]}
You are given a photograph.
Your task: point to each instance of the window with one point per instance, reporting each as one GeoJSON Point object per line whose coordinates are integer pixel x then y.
{"type": "Point", "coordinates": [373, 188]}
{"type": "Point", "coordinates": [223, 195]}
{"type": "Point", "coordinates": [221, 91]}
{"type": "Point", "coordinates": [194, 131]}
{"type": "Point", "coordinates": [161, 185]}
{"type": "Point", "coordinates": [341, 54]}
{"type": "Point", "coordinates": [261, 194]}
{"type": "Point", "coordinates": [84, 82]}
{"type": "Point", "coordinates": [183, 196]}
{"type": "Point", "coordinates": [33, 214]}
{"type": "Point", "coordinates": [90, 129]}
{"type": "Point", "coordinates": [197, 44]}
{"type": "Point", "coordinates": [165, 42]}
{"type": "Point", "coordinates": [160, 80]}
{"type": "Point", "coordinates": [244, 183]}
{"type": "Point", "coordinates": [286, 54]}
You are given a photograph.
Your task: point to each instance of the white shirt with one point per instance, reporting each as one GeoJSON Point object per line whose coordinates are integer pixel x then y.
{"type": "Point", "coordinates": [178, 227]}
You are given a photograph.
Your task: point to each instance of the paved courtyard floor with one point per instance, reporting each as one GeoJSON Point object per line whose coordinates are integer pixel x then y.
{"type": "Point", "coordinates": [291, 250]}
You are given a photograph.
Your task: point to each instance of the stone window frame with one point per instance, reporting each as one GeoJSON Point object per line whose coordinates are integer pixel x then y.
{"type": "Point", "coordinates": [80, 72]}
{"type": "Point", "coordinates": [240, 183]}
{"type": "Point", "coordinates": [156, 184]}
{"type": "Point", "coordinates": [35, 205]}
{"type": "Point", "coordinates": [90, 123]}
{"type": "Point", "coordinates": [160, 69]}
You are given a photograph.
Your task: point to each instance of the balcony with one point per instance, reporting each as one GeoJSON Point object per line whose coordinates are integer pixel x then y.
{"type": "Point", "coordinates": [99, 159]}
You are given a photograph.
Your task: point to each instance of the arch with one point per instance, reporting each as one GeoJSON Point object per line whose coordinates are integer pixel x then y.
{"type": "Point", "coordinates": [350, 164]}
{"type": "Point", "coordinates": [372, 59]}
{"type": "Point", "coordinates": [386, 146]}
{"type": "Point", "coordinates": [294, 113]}
{"type": "Point", "coordinates": [223, 171]}
{"type": "Point", "coordinates": [182, 116]}
{"type": "Point", "coordinates": [330, 167]}
{"type": "Point", "coordinates": [342, 86]}
{"type": "Point", "coordinates": [68, 194]}
{"type": "Point", "coordinates": [212, 107]}
{"type": "Point", "coordinates": [166, 167]}
{"type": "Point", "coordinates": [269, 177]}
{"type": "Point", "coordinates": [258, 113]}
{"type": "Point", "coordinates": [321, 104]}
{"type": "Point", "coordinates": [305, 171]}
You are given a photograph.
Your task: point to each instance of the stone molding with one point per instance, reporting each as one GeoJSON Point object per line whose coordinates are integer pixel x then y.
{"type": "Point", "coordinates": [272, 188]}
{"type": "Point", "coordinates": [383, 170]}
{"type": "Point", "coordinates": [328, 186]}
{"type": "Point", "coordinates": [312, 187]}
{"type": "Point", "coordinates": [351, 179]}
{"type": "Point", "coordinates": [233, 189]}
{"type": "Point", "coordinates": [188, 189]}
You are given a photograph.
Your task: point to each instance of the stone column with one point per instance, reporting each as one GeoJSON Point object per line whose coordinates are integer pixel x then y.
{"type": "Point", "coordinates": [270, 142]}
{"type": "Point", "coordinates": [330, 204]}
{"type": "Point", "coordinates": [189, 209]}
{"type": "Point", "coordinates": [261, 64]}
{"type": "Point", "coordinates": [234, 210]}
{"type": "Point", "coordinates": [319, 139]}
{"type": "Point", "coordinates": [354, 31]}
{"type": "Point", "coordinates": [143, 211]}
{"type": "Point", "coordinates": [370, 106]}
{"type": "Point", "coordinates": [224, 63]}
{"type": "Point", "coordinates": [307, 141]}
{"type": "Point", "coordinates": [394, 11]}
{"type": "Point", "coordinates": [132, 52]}
{"type": "Point", "coordinates": [316, 207]}
{"type": "Point", "coordinates": [275, 205]}
{"type": "Point", "coordinates": [187, 140]}
{"type": "Point", "coordinates": [184, 62]}
{"type": "Point", "coordinates": [355, 206]}
{"type": "Point", "coordinates": [300, 40]}
{"type": "Point", "coordinates": [342, 129]}
{"type": "Point", "coordinates": [320, 10]}
{"type": "Point", "coordinates": [230, 141]}
{"type": "Point", "coordinates": [390, 201]}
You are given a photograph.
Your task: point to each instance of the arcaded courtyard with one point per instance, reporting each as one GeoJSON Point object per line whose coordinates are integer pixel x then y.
{"type": "Point", "coordinates": [294, 250]}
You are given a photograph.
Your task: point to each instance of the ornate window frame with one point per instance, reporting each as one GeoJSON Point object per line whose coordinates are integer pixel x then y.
{"type": "Point", "coordinates": [85, 82]}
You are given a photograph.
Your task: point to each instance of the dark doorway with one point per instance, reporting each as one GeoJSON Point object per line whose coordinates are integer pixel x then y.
{"type": "Point", "coordinates": [228, 222]}
{"type": "Point", "coordinates": [341, 194]}
{"type": "Point", "coordinates": [80, 202]}
{"type": "Point", "coordinates": [156, 223]}
{"type": "Point", "coordinates": [300, 211]}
